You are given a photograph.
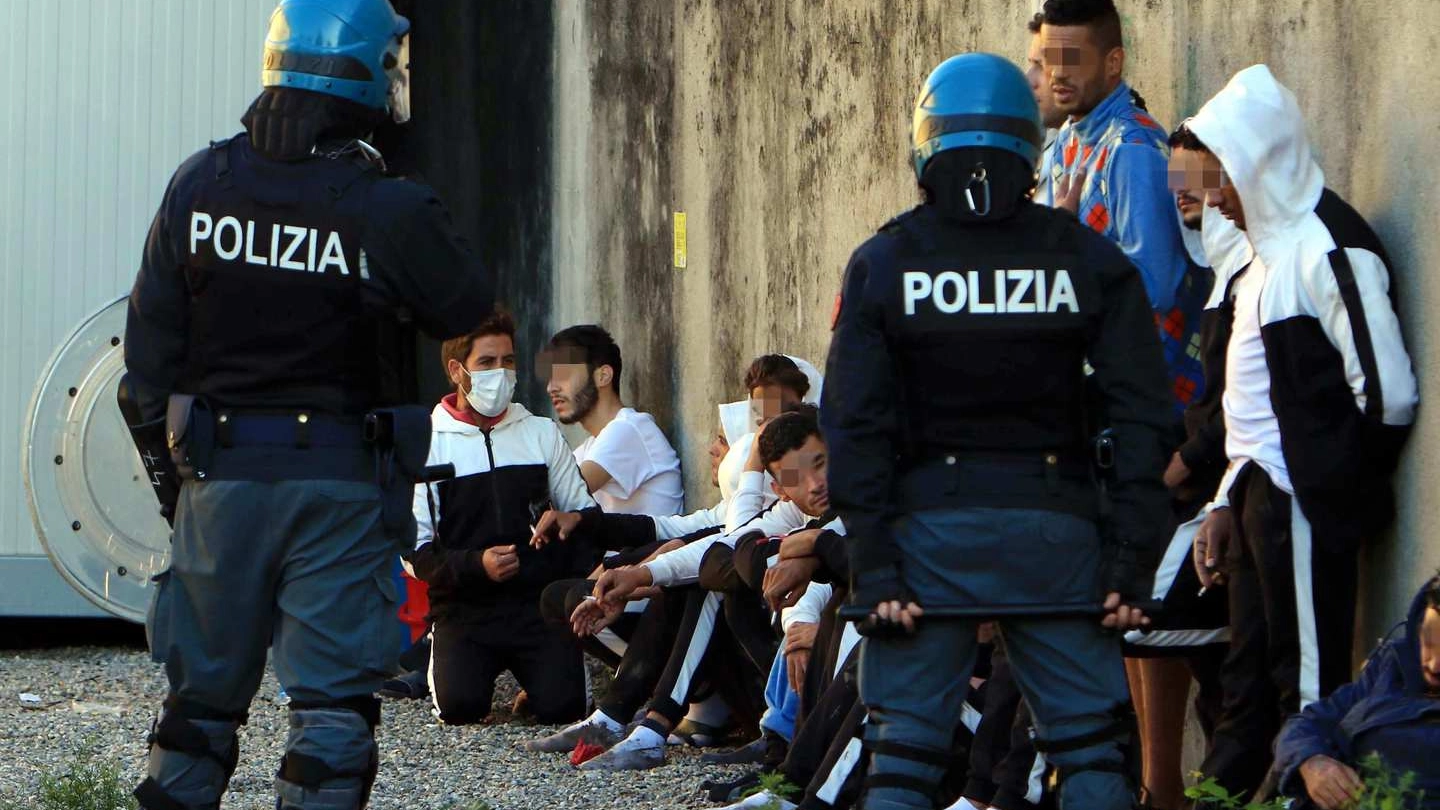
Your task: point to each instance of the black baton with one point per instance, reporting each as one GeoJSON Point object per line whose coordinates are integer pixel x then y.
{"type": "Point", "coordinates": [868, 625]}
{"type": "Point", "coordinates": [436, 472]}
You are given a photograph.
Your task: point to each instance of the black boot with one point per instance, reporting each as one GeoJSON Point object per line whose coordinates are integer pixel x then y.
{"type": "Point", "coordinates": [410, 686]}
{"type": "Point", "coordinates": [768, 749]}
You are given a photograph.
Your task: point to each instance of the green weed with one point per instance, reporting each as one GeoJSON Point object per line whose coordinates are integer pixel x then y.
{"type": "Point", "coordinates": [777, 786]}
{"type": "Point", "coordinates": [86, 783]}
{"type": "Point", "coordinates": [1385, 789]}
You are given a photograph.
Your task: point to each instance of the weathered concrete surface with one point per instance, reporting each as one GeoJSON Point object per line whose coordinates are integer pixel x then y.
{"type": "Point", "coordinates": [780, 127]}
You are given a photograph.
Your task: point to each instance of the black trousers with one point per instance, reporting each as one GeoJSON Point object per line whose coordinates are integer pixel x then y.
{"type": "Point", "coordinates": [723, 641]}
{"type": "Point", "coordinates": [639, 670]}
{"type": "Point", "coordinates": [1292, 616]}
{"type": "Point", "coordinates": [559, 600]}
{"type": "Point", "coordinates": [468, 655]}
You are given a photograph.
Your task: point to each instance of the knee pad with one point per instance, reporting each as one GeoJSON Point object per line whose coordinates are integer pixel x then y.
{"type": "Point", "coordinates": [331, 759]}
{"type": "Point", "coordinates": [1086, 753]}
{"type": "Point", "coordinates": [920, 771]}
{"type": "Point", "coordinates": [184, 734]}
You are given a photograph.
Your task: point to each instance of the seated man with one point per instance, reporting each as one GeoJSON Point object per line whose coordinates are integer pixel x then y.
{"type": "Point", "coordinates": [1393, 710]}
{"type": "Point", "coordinates": [774, 382]}
{"type": "Point", "coordinates": [791, 457]}
{"type": "Point", "coordinates": [627, 462]}
{"type": "Point", "coordinates": [828, 759]}
{"type": "Point", "coordinates": [790, 449]}
{"type": "Point", "coordinates": [471, 549]}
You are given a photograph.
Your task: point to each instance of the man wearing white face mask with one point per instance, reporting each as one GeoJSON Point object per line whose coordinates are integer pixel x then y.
{"type": "Point", "coordinates": [485, 579]}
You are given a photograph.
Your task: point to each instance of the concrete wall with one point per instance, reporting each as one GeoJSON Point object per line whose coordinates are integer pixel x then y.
{"type": "Point", "coordinates": [780, 127]}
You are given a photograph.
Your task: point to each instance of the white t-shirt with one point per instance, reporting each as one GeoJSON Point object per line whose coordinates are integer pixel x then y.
{"type": "Point", "coordinates": [1252, 433]}
{"type": "Point", "coordinates": [644, 470]}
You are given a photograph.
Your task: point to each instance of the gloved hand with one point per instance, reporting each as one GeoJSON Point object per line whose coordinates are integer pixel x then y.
{"type": "Point", "coordinates": [893, 607]}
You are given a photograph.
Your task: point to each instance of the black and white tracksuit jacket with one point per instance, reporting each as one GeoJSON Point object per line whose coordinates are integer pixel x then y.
{"type": "Point", "coordinates": [504, 480]}
{"type": "Point", "coordinates": [1341, 384]}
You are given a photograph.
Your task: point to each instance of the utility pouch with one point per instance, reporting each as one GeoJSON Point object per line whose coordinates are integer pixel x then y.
{"type": "Point", "coordinates": [150, 441]}
{"type": "Point", "coordinates": [190, 435]}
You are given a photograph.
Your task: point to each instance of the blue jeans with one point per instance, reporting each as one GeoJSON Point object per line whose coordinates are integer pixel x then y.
{"type": "Point", "coordinates": [1070, 670]}
{"type": "Point", "coordinates": [781, 702]}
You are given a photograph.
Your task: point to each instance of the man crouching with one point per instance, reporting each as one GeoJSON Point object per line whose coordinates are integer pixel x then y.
{"type": "Point", "coordinates": [485, 580]}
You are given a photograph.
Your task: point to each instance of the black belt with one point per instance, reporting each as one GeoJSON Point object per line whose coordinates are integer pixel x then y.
{"type": "Point", "coordinates": [1039, 463]}
{"type": "Point", "coordinates": [1021, 480]}
{"type": "Point", "coordinates": [301, 431]}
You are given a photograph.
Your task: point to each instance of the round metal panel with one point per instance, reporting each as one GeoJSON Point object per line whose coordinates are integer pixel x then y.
{"type": "Point", "coordinates": [90, 496]}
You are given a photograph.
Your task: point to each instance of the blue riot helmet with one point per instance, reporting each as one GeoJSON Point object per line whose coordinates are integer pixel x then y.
{"type": "Point", "coordinates": [354, 49]}
{"type": "Point", "coordinates": [976, 100]}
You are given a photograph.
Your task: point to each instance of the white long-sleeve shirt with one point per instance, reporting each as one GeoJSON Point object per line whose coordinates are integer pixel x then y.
{"type": "Point", "coordinates": [682, 566]}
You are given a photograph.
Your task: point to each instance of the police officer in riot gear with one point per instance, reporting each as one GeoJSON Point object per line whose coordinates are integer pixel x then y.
{"type": "Point", "coordinates": [955, 412]}
{"type": "Point", "coordinates": [267, 332]}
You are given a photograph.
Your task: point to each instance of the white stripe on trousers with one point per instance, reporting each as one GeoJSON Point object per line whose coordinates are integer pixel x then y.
{"type": "Point", "coordinates": [430, 678]}
{"type": "Point", "coordinates": [1302, 558]}
{"type": "Point", "coordinates": [1177, 554]}
{"type": "Point", "coordinates": [695, 650]}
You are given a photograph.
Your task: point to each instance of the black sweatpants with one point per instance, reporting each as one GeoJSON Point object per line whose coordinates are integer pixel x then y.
{"type": "Point", "coordinates": [1292, 617]}
{"type": "Point", "coordinates": [640, 668]}
{"type": "Point", "coordinates": [469, 654]}
{"type": "Point", "coordinates": [1006, 771]}
{"type": "Point", "coordinates": [724, 640]}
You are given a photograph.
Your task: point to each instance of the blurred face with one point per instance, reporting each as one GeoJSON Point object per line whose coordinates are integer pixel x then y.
{"type": "Point", "coordinates": [1430, 651]}
{"type": "Point", "coordinates": [572, 389]}
{"type": "Point", "coordinates": [1219, 192]}
{"type": "Point", "coordinates": [768, 402]}
{"type": "Point", "coordinates": [800, 477]}
{"type": "Point", "coordinates": [1187, 180]}
{"type": "Point", "coordinates": [486, 353]}
{"type": "Point", "coordinates": [1050, 115]}
{"type": "Point", "coordinates": [1080, 76]}
{"type": "Point", "coordinates": [718, 448]}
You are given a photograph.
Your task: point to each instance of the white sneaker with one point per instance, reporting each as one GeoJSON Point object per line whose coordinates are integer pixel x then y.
{"type": "Point", "coordinates": [642, 750]}
{"type": "Point", "coordinates": [565, 739]}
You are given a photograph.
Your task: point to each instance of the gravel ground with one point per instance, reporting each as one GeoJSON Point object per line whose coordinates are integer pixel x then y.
{"type": "Point", "coordinates": [106, 698]}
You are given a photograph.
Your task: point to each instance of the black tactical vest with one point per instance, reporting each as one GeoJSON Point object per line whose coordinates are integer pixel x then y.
{"type": "Point", "coordinates": [991, 325]}
{"type": "Point", "coordinates": [274, 263]}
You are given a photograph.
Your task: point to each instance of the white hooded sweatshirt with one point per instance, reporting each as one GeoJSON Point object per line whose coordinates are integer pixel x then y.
{"type": "Point", "coordinates": [1340, 389]}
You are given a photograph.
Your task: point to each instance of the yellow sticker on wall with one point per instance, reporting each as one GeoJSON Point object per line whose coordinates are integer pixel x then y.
{"type": "Point", "coordinates": [679, 240]}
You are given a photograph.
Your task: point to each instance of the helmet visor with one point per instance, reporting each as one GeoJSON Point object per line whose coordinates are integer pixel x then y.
{"type": "Point", "coordinates": [399, 76]}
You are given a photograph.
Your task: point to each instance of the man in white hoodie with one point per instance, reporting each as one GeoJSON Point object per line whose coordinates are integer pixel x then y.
{"type": "Point", "coordinates": [472, 547]}
{"type": "Point", "coordinates": [1318, 399]}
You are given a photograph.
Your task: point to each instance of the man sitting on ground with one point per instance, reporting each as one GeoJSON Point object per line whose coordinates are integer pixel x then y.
{"type": "Point", "coordinates": [794, 455]}
{"type": "Point", "coordinates": [1392, 711]}
{"type": "Point", "coordinates": [627, 463]}
{"type": "Point", "coordinates": [774, 381]}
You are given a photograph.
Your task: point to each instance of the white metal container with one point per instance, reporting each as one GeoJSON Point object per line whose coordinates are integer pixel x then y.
{"type": "Point", "coordinates": [109, 98]}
